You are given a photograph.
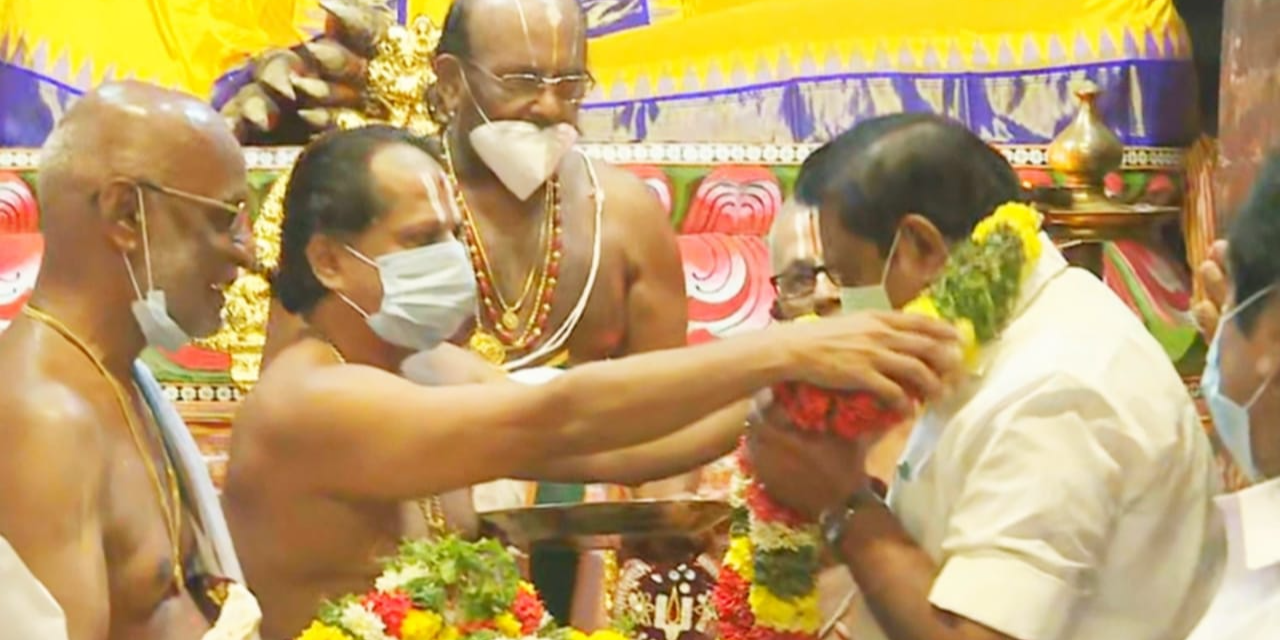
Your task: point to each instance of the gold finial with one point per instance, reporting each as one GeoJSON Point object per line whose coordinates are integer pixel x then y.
{"type": "Point", "coordinates": [1086, 150]}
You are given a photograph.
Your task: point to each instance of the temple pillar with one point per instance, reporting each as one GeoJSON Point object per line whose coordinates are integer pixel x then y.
{"type": "Point", "coordinates": [1250, 100]}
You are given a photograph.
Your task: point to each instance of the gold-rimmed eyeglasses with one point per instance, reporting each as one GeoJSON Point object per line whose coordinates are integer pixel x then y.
{"type": "Point", "coordinates": [572, 88]}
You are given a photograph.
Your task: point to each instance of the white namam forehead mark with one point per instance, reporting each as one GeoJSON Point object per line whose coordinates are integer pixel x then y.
{"type": "Point", "coordinates": [555, 17]}
{"type": "Point", "coordinates": [795, 236]}
{"type": "Point", "coordinates": [440, 195]}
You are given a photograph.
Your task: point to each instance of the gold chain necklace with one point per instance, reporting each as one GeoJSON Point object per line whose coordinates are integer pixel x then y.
{"type": "Point", "coordinates": [171, 508]}
{"type": "Point", "coordinates": [503, 317]}
{"type": "Point", "coordinates": [432, 509]}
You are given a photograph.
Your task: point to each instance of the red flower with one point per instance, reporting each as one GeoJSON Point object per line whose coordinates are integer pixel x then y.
{"type": "Point", "coordinates": [743, 456]}
{"type": "Point", "coordinates": [764, 508]}
{"type": "Point", "coordinates": [529, 610]}
{"type": "Point", "coordinates": [391, 607]}
{"type": "Point", "coordinates": [859, 413]}
{"type": "Point", "coordinates": [733, 608]}
{"type": "Point", "coordinates": [806, 406]}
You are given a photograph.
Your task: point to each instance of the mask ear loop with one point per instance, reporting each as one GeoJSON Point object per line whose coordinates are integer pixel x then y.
{"type": "Point", "coordinates": [1230, 315]}
{"type": "Point", "coordinates": [367, 260]}
{"type": "Point", "coordinates": [888, 259]}
{"type": "Point", "coordinates": [146, 249]}
{"type": "Point", "coordinates": [466, 84]}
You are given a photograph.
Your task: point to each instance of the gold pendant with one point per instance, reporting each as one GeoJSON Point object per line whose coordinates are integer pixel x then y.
{"type": "Point", "coordinates": [510, 320]}
{"type": "Point", "coordinates": [487, 346]}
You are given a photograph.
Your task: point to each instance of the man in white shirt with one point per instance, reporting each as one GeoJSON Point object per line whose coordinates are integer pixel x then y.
{"type": "Point", "coordinates": [1239, 385]}
{"type": "Point", "coordinates": [1064, 491]}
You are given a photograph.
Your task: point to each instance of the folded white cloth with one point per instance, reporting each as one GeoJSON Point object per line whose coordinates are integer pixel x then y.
{"type": "Point", "coordinates": [26, 606]}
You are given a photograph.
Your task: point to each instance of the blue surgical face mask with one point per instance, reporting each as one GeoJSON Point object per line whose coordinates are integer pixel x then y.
{"type": "Point", "coordinates": [872, 297]}
{"type": "Point", "coordinates": [1230, 418]}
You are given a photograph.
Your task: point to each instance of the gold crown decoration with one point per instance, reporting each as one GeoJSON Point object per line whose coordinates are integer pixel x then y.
{"type": "Point", "coordinates": [399, 75]}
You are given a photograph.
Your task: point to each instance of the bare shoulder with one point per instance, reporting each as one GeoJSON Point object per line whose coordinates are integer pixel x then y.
{"type": "Point", "coordinates": [52, 441]}
{"type": "Point", "coordinates": [628, 200]}
{"type": "Point", "coordinates": [304, 393]}
{"type": "Point", "coordinates": [635, 220]}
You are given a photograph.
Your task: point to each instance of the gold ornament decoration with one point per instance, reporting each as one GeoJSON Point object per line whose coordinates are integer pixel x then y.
{"type": "Point", "coordinates": [248, 300]}
{"type": "Point", "coordinates": [487, 346]}
{"type": "Point", "coordinates": [398, 78]}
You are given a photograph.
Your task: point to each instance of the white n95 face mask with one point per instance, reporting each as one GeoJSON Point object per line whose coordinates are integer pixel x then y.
{"type": "Point", "coordinates": [872, 297]}
{"type": "Point", "coordinates": [427, 293]}
{"type": "Point", "coordinates": [521, 154]}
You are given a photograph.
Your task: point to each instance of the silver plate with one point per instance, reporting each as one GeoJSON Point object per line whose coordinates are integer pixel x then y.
{"type": "Point", "coordinates": [607, 525]}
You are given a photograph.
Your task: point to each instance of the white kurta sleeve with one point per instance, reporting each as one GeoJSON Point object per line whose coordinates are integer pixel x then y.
{"type": "Point", "coordinates": [1031, 525]}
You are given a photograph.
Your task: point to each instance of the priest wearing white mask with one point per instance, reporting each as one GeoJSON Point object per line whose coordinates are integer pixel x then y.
{"type": "Point", "coordinates": [334, 454]}
{"type": "Point", "coordinates": [1240, 385]}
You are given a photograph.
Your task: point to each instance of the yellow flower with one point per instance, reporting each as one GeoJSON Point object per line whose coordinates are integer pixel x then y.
{"type": "Point", "coordinates": [1023, 220]}
{"type": "Point", "coordinates": [575, 634]}
{"type": "Point", "coordinates": [321, 631]}
{"type": "Point", "coordinates": [739, 559]}
{"type": "Point", "coordinates": [449, 633]}
{"type": "Point", "coordinates": [968, 341]}
{"type": "Point", "coordinates": [421, 625]}
{"type": "Point", "coordinates": [924, 306]}
{"type": "Point", "coordinates": [607, 634]}
{"type": "Point", "coordinates": [508, 625]}
{"type": "Point", "coordinates": [800, 614]}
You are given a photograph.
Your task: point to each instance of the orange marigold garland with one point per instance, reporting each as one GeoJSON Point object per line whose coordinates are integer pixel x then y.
{"type": "Point", "coordinates": [767, 588]}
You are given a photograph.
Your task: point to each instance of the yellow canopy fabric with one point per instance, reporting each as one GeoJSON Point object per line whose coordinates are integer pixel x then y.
{"type": "Point", "coordinates": [182, 44]}
{"type": "Point", "coordinates": [739, 37]}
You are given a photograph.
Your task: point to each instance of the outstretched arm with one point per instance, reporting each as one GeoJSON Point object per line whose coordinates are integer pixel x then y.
{"type": "Point", "coordinates": [700, 443]}
{"type": "Point", "coordinates": [657, 318]}
{"type": "Point", "coordinates": [384, 437]}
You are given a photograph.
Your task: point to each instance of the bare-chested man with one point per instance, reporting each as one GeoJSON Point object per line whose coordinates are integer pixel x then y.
{"type": "Point", "coordinates": [560, 283]}
{"type": "Point", "coordinates": [140, 190]}
{"type": "Point", "coordinates": [334, 451]}
{"type": "Point", "coordinates": [510, 79]}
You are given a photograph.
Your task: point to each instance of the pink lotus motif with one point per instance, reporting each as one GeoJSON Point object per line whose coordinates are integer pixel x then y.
{"type": "Point", "coordinates": [727, 280]}
{"type": "Point", "coordinates": [735, 199]}
{"type": "Point", "coordinates": [18, 210]}
{"type": "Point", "coordinates": [20, 257]}
{"type": "Point", "coordinates": [658, 181]}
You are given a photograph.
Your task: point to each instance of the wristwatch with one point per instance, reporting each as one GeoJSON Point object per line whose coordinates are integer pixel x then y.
{"type": "Point", "coordinates": [835, 522]}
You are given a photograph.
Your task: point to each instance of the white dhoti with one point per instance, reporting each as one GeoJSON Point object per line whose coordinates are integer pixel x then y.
{"type": "Point", "coordinates": [27, 608]}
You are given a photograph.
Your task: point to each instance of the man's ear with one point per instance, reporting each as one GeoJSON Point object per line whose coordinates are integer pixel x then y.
{"type": "Point", "coordinates": [323, 253]}
{"type": "Point", "coordinates": [922, 244]}
{"type": "Point", "coordinates": [448, 86]}
{"type": "Point", "coordinates": [121, 209]}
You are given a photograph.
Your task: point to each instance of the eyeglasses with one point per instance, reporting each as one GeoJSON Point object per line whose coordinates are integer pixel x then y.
{"type": "Point", "coordinates": [571, 88]}
{"type": "Point", "coordinates": [799, 280]}
{"type": "Point", "coordinates": [234, 209]}
{"type": "Point", "coordinates": [238, 212]}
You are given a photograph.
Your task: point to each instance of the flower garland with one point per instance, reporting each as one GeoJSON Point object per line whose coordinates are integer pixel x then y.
{"type": "Point", "coordinates": [448, 589]}
{"type": "Point", "coordinates": [767, 587]}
